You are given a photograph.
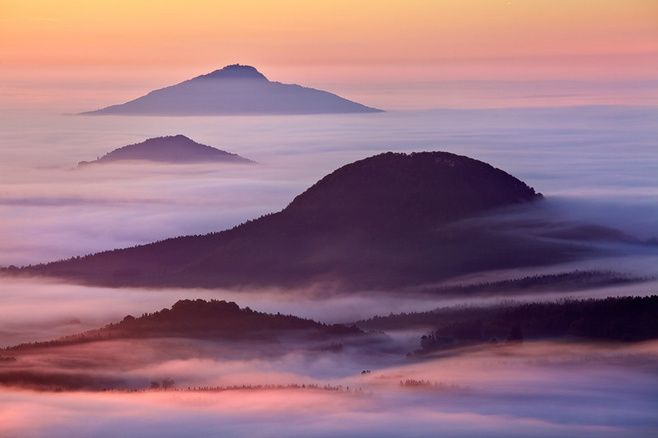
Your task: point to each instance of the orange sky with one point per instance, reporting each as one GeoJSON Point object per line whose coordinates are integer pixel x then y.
{"type": "Point", "coordinates": [131, 45]}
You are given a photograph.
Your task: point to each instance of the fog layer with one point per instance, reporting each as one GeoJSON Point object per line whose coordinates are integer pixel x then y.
{"type": "Point", "coordinates": [594, 163]}
{"type": "Point", "coordinates": [537, 389]}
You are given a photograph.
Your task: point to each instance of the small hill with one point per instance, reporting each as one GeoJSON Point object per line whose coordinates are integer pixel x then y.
{"type": "Point", "coordinates": [234, 90]}
{"type": "Point", "coordinates": [202, 319]}
{"type": "Point", "coordinates": [386, 221]}
{"type": "Point", "coordinates": [171, 149]}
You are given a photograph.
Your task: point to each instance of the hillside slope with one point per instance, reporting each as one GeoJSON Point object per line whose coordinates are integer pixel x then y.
{"type": "Point", "coordinates": [386, 221]}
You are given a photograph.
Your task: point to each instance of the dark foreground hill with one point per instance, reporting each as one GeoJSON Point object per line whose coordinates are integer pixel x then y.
{"type": "Point", "coordinates": [107, 358]}
{"type": "Point", "coordinates": [235, 90]}
{"type": "Point", "coordinates": [191, 329]}
{"type": "Point", "coordinates": [171, 149]}
{"type": "Point", "coordinates": [200, 319]}
{"type": "Point", "coordinates": [386, 221]}
{"type": "Point", "coordinates": [625, 319]}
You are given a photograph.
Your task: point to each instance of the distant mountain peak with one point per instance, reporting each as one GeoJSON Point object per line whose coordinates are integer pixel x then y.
{"type": "Point", "coordinates": [235, 90]}
{"type": "Point", "coordinates": [235, 71]}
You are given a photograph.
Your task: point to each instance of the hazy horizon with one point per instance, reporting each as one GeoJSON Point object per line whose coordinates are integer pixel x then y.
{"type": "Point", "coordinates": [72, 57]}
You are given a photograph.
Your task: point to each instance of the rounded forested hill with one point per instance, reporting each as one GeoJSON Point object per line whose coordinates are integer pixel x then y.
{"type": "Point", "coordinates": [418, 189]}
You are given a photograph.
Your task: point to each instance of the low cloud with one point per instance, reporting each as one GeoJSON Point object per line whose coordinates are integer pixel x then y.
{"type": "Point", "coordinates": [593, 390]}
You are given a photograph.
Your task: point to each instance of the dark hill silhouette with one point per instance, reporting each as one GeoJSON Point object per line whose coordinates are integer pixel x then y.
{"type": "Point", "coordinates": [170, 149]}
{"type": "Point", "coordinates": [383, 222]}
{"type": "Point", "coordinates": [568, 281]}
{"type": "Point", "coordinates": [628, 319]}
{"type": "Point", "coordinates": [202, 319]}
{"type": "Point", "coordinates": [235, 89]}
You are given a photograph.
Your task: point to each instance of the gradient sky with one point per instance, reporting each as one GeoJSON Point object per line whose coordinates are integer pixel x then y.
{"type": "Point", "coordinates": [104, 51]}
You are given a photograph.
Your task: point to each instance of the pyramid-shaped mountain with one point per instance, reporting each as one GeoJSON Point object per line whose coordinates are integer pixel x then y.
{"type": "Point", "coordinates": [235, 90]}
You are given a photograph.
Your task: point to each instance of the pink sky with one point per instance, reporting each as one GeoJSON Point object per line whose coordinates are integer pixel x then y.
{"type": "Point", "coordinates": [74, 55]}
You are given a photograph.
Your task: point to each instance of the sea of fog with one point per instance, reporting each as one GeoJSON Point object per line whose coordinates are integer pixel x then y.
{"type": "Point", "coordinates": [538, 389]}
{"type": "Point", "coordinates": [594, 164]}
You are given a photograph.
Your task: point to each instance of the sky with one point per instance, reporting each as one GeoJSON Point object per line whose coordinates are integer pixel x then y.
{"type": "Point", "coordinates": [393, 54]}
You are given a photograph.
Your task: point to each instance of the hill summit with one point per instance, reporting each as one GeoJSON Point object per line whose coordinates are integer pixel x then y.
{"type": "Point", "coordinates": [396, 190]}
{"type": "Point", "coordinates": [235, 71]}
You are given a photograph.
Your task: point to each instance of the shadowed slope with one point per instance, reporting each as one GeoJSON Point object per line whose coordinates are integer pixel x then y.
{"type": "Point", "coordinates": [235, 89]}
{"type": "Point", "coordinates": [386, 221]}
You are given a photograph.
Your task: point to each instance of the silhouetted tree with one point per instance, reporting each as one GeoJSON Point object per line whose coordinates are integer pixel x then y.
{"type": "Point", "coordinates": [167, 383]}
{"type": "Point", "coordinates": [515, 334]}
